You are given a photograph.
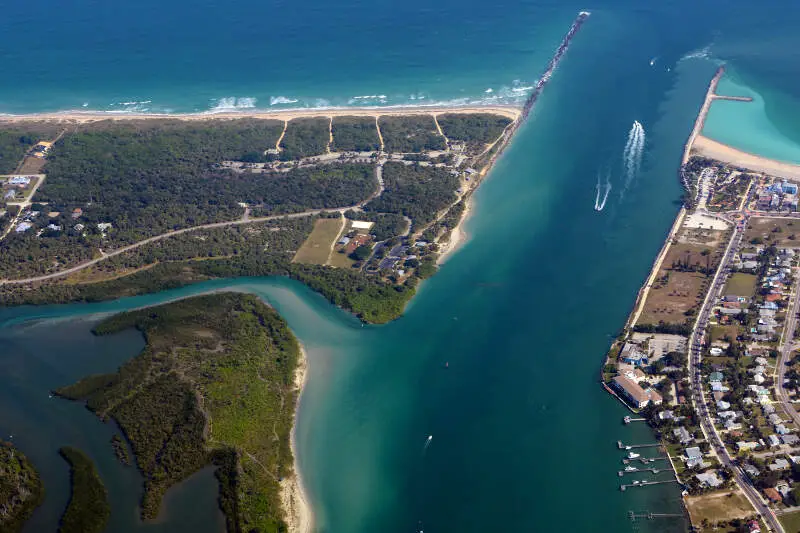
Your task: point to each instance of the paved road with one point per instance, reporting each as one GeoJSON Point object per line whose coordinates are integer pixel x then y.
{"type": "Point", "coordinates": [785, 354]}
{"type": "Point", "coordinates": [698, 398]}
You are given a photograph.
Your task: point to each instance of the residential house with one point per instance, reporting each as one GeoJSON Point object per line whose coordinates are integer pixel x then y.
{"type": "Point", "coordinates": [779, 464]}
{"type": "Point", "coordinates": [709, 479]}
{"type": "Point", "coordinates": [683, 435]}
{"type": "Point", "coordinates": [790, 439]}
{"type": "Point", "coordinates": [773, 495]}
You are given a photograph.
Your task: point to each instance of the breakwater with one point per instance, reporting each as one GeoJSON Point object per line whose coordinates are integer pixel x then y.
{"type": "Point", "coordinates": [553, 64]}
{"type": "Point", "coordinates": [540, 85]}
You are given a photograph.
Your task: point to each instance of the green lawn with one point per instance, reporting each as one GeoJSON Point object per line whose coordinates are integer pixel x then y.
{"type": "Point", "coordinates": [741, 284]}
{"type": "Point", "coordinates": [790, 521]}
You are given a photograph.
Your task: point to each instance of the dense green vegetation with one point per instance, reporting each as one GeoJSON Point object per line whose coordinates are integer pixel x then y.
{"type": "Point", "coordinates": [387, 225]}
{"type": "Point", "coordinates": [21, 489]}
{"type": "Point", "coordinates": [120, 450]}
{"type": "Point", "coordinates": [151, 176]}
{"type": "Point", "coordinates": [443, 227]}
{"type": "Point", "coordinates": [329, 186]}
{"type": "Point", "coordinates": [474, 129]}
{"type": "Point", "coordinates": [305, 137]}
{"type": "Point", "coordinates": [16, 140]}
{"type": "Point", "coordinates": [215, 383]}
{"type": "Point", "coordinates": [415, 133]}
{"type": "Point", "coordinates": [415, 191]}
{"type": "Point", "coordinates": [88, 509]}
{"type": "Point", "coordinates": [370, 298]}
{"type": "Point", "coordinates": [355, 134]}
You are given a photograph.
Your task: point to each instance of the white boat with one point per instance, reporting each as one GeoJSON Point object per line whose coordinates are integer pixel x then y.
{"type": "Point", "coordinates": [636, 482]}
{"type": "Point", "coordinates": [633, 455]}
{"type": "Point", "coordinates": [630, 469]}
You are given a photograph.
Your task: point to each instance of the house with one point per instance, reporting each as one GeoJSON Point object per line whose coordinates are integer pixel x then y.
{"type": "Point", "coordinates": [723, 405]}
{"type": "Point", "coordinates": [77, 212]}
{"type": "Point", "coordinates": [41, 148]}
{"type": "Point", "coordinates": [716, 386]}
{"type": "Point", "coordinates": [790, 439]}
{"type": "Point", "coordinates": [10, 194]}
{"type": "Point", "coordinates": [633, 355]}
{"type": "Point", "coordinates": [19, 181]}
{"type": "Point", "coordinates": [683, 436]}
{"type": "Point", "coordinates": [783, 488]}
{"type": "Point", "coordinates": [780, 429]}
{"type": "Point", "coordinates": [709, 479]}
{"type": "Point", "coordinates": [104, 226]}
{"type": "Point", "coordinates": [79, 227]}
{"type": "Point", "coordinates": [773, 495]}
{"type": "Point", "coordinates": [53, 227]}
{"type": "Point", "coordinates": [750, 265]}
{"type": "Point", "coordinates": [344, 240]}
{"type": "Point", "coordinates": [779, 464]}
{"type": "Point", "coordinates": [693, 453]}
{"type": "Point", "coordinates": [742, 445]}
{"type": "Point", "coordinates": [774, 440]}
{"type": "Point", "coordinates": [774, 419]}
{"type": "Point", "coordinates": [715, 376]}
{"type": "Point", "coordinates": [23, 227]}
{"type": "Point", "coordinates": [753, 526]}
{"type": "Point", "coordinates": [666, 415]}
{"type": "Point", "coordinates": [759, 378]}
{"type": "Point", "coordinates": [730, 425]}
{"type": "Point", "coordinates": [751, 470]}
{"type": "Point", "coordinates": [636, 395]}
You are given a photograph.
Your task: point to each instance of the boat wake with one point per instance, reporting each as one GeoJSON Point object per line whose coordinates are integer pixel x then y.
{"type": "Point", "coordinates": [602, 189]}
{"type": "Point", "coordinates": [633, 153]}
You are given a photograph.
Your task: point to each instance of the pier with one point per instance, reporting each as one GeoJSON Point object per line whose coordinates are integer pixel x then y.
{"type": "Point", "coordinates": [651, 516]}
{"type": "Point", "coordinates": [632, 446]}
{"type": "Point", "coordinates": [644, 460]}
{"type": "Point", "coordinates": [636, 470]}
{"type": "Point", "coordinates": [645, 484]}
{"type": "Point", "coordinates": [627, 420]}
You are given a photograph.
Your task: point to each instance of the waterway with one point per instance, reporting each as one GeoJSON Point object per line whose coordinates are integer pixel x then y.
{"type": "Point", "coordinates": [523, 435]}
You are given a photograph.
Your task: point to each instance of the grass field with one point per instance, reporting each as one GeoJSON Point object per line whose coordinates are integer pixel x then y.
{"type": "Point", "coordinates": [340, 260]}
{"type": "Point", "coordinates": [318, 245]}
{"type": "Point", "coordinates": [790, 521]}
{"type": "Point", "coordinates": [718, 333]}
{"type": "Point", "coordinates": [718, 506]}
{"type": "Point", "coordinates": [669, 301]}
{"type": "Point", "coordinates": [741, 284]}
{"type": "Point", "coordinates": [778, 231]}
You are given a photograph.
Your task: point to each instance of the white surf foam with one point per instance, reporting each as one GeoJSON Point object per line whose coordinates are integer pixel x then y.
{"type": "Point", "coordinates": [278, 100]}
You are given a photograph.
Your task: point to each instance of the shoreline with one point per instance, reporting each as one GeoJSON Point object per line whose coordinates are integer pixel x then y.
{"type": "Point", "coordinates": [707, 147]}
{"type": "Point", "coordinates": [84, 117]}
{"type": "Point", "coordinates": [294, 498]}
{"type": "Point", "coordinates": [458, 237]}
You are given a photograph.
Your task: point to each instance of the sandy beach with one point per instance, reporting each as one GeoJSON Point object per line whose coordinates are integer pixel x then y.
{"type": "Point", "coordinates": [710, 148]}
{"type": "Point", "coordinates": [458, 237]}
{"type": "Point", "coordinates": [299, 515]}
{"type": "Point", "coordinates": [78, 117]}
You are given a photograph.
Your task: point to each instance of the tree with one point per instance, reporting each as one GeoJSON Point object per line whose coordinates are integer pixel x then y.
{"type": "Point", "coordinates": [362, 252]}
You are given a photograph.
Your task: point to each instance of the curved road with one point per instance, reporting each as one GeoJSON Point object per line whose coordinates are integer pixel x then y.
{"type": "Point", "coordinates": [246, 219]}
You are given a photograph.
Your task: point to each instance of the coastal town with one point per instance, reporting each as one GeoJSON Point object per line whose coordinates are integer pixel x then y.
{"type": "Point", "coordinates": [710, 354]}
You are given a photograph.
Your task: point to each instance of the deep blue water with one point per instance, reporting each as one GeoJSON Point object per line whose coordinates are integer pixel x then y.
{"type": "Point", "coordinates": [523, 434]}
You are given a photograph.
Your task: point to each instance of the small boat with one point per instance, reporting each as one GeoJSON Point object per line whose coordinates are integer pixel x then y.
{"type": "Point", "coordinates": [636, 482]}
{"type": "Point", "coordinates": [633, 455]}
{"type": "Point", "coordinates": [630, 469]}
{"type": "Point", "coordinates": [627, 447]}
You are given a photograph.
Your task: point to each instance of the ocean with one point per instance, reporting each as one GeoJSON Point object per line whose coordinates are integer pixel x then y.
{"type": "Point", "coordinates": [497, 357]}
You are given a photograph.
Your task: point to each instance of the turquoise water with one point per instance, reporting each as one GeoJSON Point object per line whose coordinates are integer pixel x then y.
{"type": "Point", "coordinates": [523, 435]}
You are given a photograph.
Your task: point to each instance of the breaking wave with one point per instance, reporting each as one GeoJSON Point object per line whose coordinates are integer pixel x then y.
{"type": "Point", "coordinates": [233, 103]}
{"type": "Point", "coordinates": [278, 100]}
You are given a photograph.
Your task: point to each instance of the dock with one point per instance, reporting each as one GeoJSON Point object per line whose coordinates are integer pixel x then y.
{"type": "Point", "coordinates": [645, 484]}
{"type": "Point", "coordinates": [733, 98]}
{"type": "Point", "coordinates": [632, 446]}
{"type": "Point", "coordinates": [651, 516]}
{"type": "Point", "coordinates": [644, 460]}
{"type": "Point", "coordinates": [637, 470]}
{"type": "Point", "coordinates": [627, 420]}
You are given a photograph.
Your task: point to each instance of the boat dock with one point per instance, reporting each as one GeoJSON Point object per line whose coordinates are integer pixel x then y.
{"type": "Point", "coordinates": [632, 446]}
{"type": "Point", "coordinates": [645, 483]}
{"type": "Point", "coordinates": [651, 516]}
{"type": "Point", "coordinates": [627, 420]}
{"type": "Point", "coordinates": [734, 98]}
{"type": "Point", "coordinates": [644, 460]}
{"type": "Point", "coordinates": [636, 470]}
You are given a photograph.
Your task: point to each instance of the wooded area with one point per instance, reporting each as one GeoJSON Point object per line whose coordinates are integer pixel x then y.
{"type": "Point", "coordinates": [415, 191]}
{"type": "Point", "coordinates": [413, 133]}
{"type": "Point", "coordinates": [355, 134]}
{"type": "Point", "coordinates": [238, 357]}
{"type": "Point", "coordinates": [305, 137]}
{"type": "Point", "coordinates": [21, 490]}
{"type": "Point", "coordinates": [473, 128]}
{"type": "Point", "coordinates": [88, 509]}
